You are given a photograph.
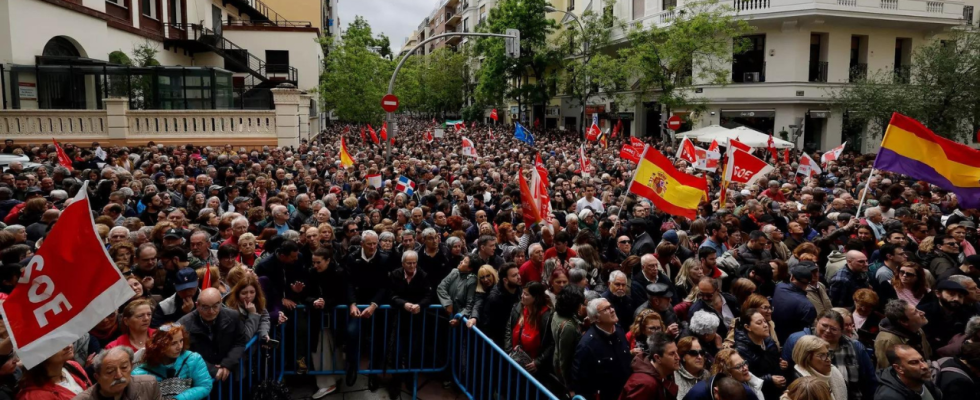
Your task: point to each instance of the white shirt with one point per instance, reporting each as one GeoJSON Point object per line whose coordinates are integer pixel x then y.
{"type": "Point", "coordinates": [596, 205]}
{"type": "Point", "coordinates": [68, 382]}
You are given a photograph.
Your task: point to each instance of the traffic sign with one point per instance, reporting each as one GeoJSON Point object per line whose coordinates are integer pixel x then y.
{"type": "Point", "coordinates": [389, 103]}
{"type": "Point", "coordinates": [674, 123]}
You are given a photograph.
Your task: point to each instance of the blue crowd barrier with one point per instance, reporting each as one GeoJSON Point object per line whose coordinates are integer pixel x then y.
{"type": "Point", "coordinates": [482, 370]}
{"type": "Point", "coordinates": [255, 365]}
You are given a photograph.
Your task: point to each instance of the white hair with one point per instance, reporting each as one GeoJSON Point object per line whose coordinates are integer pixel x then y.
{"type": "Point", "coordinates": [368, 233]}
{"type": "Point", "coordinates": [593, 308]}
{"type": "Point", "coordinates": [617, 274]}
{"type": "Point", "coordinates": [703, 323]}
{"type": "Point", "coordinates": [410, 253]}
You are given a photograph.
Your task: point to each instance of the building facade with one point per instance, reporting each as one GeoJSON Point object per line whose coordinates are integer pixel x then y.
{"type": "Point", "coordinates": [209, 54]}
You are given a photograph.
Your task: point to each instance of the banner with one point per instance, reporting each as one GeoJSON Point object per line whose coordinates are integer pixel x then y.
{"type": "Point", "coordinates": [67, 288]}
{"type": "Point", "coordinates": [468, 149]}
{"type": "Point", "coordinates": [832, 154]}
{"type": "Point", "coordinates": [686, 151]}
{"type": "Point", "coordinates": [745, 168]}
{"type": "Point", "coordinates": [628, 152]}
{"type": "Point", "coordinates": [808, 167]}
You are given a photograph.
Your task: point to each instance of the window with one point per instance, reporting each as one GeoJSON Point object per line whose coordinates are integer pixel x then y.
{"type": "Point", "coordinates": [571, 5]}
{"type": "Point", "coordinates": [466, 25]}
{"type": "Point", "coordinates": [639, 9]}
{"type": "Point", "coordinates": [668, 4]}
{"type": "Point", "coordinates": [116, 2]}
{"type": "Point", "coordinates": [176, 12]}
{"type": "Point", "coordinates": [149, 8]}
{"type": "Point", "coordinates": [276, 61]}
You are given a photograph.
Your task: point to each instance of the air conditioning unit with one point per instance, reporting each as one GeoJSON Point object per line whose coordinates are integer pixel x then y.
{"type": "Point", "coordinates": [750, 77]}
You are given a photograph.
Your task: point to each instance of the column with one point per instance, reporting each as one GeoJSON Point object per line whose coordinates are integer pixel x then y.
{"type": "Point", "coordinates": [116, 109]}
{"type": "Point", "coordinates": [304, 116]}
{"type": "Point", "coordinates": [287, 99]}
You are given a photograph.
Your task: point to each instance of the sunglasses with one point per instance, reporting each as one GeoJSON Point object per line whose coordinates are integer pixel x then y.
{"type": "Point", "coordinates": [907, 274]}
{"type": "Point", "coordinates": [624, 242]}
{"type": "Point", "coordinates": [696, 353]}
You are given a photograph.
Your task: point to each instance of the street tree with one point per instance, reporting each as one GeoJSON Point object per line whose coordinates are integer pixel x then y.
{"type": "Point", "coordinates": [696, 47]}
{"type": "Point", "coordinates": [938, 90]}
{"type": "Point", "coordinates": [356, 75]}
{"type": "Point", "coordinates": [524, 79]}
{"type": "Point", "coordinates": [433, 84]}
{"type": "Point", "coordinates": [588, 66]}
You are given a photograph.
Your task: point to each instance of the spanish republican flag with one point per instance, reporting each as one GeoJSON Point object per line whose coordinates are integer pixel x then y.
{"type": "Point", "coordinates": [912, 149]}
{"type": "Point", "coordinates": [345, 159]}
{"type": "Point", "coordinates": [670, 190]}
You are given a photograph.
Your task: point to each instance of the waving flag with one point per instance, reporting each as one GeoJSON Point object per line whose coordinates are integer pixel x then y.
{"type": "Point", "coordinates": [345, 159]}
{"type": "Point", "coordinates": [493, 115]}
{"type": "Point", "coordinates": [832, 154]}
{"type": "Point", "coordinates": [523, 135]}
{"type": "Point", "coordinates": [63, 158]}
{"type": "Point", "coordinates": [912, 149]}
{"type": "Point", "coordinates": [772, 149]}
{"type": "Point", "coordinates": [384, 131]}
{"type": "Point", "coordinates": [363, 140]}
{"type": "Point", "coordinates": [490, 134]}
{"type": "Point", "coordinates": [468, 149]}
{"type": "Point", "coordinates": [672, 191]}
{"type": "Point", "coordinates": [808, 167]}
{"type": "Point", "coordinates": [428, 137]}
{"type": "Point", "coordinates": [617, 128]}
{"type": "Point", "coordinates": [405, 185]}
{"type": "Point", "coordinates": [593, 133]}
{"type": "Point", "coordinates": [537, 123]}
{"type": "Point", "coordinates": [686, 151]}
{"type": "Point", "coordinates": [637, 144]}
{"type": "Point", "coordinates": [628, 152]}
{"type": "Point", "coordinates": [604, 140]}
{"type": "Point", "coordinates": [530, 205]}
{"type": "Point", "coordinates": [374, 136]}
{"type": "Point", "coordinates": [584, 165]}
{"type": "Point", "coordinates": [707, 159]}
{"type": "Point", "coordinates": [374, 180]}
{"type": "Point", "coordinates": [542, 170]}
{"type": "Point", "coordinates": [785, 156]}
{"type": "Point", "coordinates": [735, 144]}
{"type": "Point", "coordinates": [745, 168]}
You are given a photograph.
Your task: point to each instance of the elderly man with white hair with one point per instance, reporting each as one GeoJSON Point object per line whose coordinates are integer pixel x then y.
{"type": "Point", "coordinates": [874, 219]}
{"type": "Point", "coordinates": [617, 295]}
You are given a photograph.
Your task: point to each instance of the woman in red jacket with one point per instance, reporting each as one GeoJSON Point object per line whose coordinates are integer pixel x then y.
{"type": "Point", "coordinates": [57, 378]}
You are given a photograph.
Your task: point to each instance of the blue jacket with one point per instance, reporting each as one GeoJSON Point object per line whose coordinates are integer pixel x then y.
{"type": "Point", "coordinates": [844, 284]}
{"type": "Point", "coordinates": [601, 364]}
{"type": "Point", "coordinates": [702, 391]}
{"type": "Point", "coordinates": [791, 310]}
{"type": "Point", "coordinates": [189, 365]}
{"type": "Point", "coordinates": [866, 367]}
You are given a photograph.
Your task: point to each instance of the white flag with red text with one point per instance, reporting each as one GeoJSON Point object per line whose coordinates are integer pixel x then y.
{"type": "Point", "coordinates": [832, 154]}
{"type": "Point", "coordinates": [745, 168]}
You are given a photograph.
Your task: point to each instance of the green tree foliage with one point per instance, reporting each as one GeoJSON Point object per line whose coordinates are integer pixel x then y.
{"type": "Point", "coordinates": [433, 84]}
{"type": "Point", "coordinates": [139, 88]}
{"type": "Point", "coordinates": [939, 90]}
{"type": "Point", "coordinates": [356, 75]}
{"type": "Point", "coordinates": [695, 47]}
{"type": "Point", "coordinates": [501, 77]}
{"type": "Point", "coordinates": [587, 65]}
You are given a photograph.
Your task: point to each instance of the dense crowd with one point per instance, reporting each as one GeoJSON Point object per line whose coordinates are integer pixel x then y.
{"type": "Point", "coordinates": [792, 290]}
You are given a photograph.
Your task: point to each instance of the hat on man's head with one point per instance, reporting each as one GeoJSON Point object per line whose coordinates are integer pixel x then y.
{"type": "Point", "coordinates": [803, 270]}
{"type": "Point", "coordinates": [950, 285]}
{"type": "Point", "coordinates": [174, 233]}
{"type": "Point", "coordinates": [186, 279]}
{"type": "Point", "coordinates": [671, 236]}
{"type": "Point", "coordinates": [659, 290]}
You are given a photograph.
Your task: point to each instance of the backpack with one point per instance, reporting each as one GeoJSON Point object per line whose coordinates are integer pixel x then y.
{"type": "Point", "coordinates": [935, 367]}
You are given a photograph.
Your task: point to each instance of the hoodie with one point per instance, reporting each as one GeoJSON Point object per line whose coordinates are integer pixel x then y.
{"type": "Point", "coordinates": [891, 334]}
{"type": "Point", "coordinates": [891, 388]}
{"type": "Point", "coordinates": [647, 384]}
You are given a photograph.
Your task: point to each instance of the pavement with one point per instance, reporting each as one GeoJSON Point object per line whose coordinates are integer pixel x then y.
{"type": "Point", "coordinates": [430, 388]}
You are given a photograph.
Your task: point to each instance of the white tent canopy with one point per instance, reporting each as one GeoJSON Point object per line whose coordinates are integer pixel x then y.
{"type": "Point", "coordinates": [704, 131]}
{"type": "Point", "coordinates": [745, 135]}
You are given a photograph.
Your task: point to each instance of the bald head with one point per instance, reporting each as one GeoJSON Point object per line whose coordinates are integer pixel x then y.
{"type": "Point", "coordinates": [857, 261]}
{"type": "Point", "coordinates": [50, 216]}
{"type": "Point", "coordinates": [209, 304]}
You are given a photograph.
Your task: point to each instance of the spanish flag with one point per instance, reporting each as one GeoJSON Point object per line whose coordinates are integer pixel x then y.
{"type": "Point", "coordinates": [670, 190]}
{"type": "Point", "coordinates": [345, 159]}
{"type": "Point", "coordinates": [912, 149]}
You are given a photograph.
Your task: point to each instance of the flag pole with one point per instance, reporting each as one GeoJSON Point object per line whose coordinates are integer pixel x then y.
{"type": "Point", "coordinates": [632, 178]}
{"type": "Point", "coordinates": [865, 193]}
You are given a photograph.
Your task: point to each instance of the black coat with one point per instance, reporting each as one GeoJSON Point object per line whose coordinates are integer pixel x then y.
{"type": "Point", "coordinates": [496, 312]}
{"type": "Point", "coordinates": [624, 308]}
{"type": "Point", "coordinates": [367, 281]}
{"type": "Point", "coordinates": [601, 364]}
{"type": "Point", "coordinates": [221, 342]}
{"type": "Point", "coordinates": [891, 388]}
{"type": "Point", "coordinates": [644, 245]}
{"type": "Point", "coordinates": [763, 361]}
{"type": "Point", "coordinates": [419, 291]}
{"type": "Point", "coordinates": [943, 326]}
{"type": "Point", "coordinates": [436, 267]}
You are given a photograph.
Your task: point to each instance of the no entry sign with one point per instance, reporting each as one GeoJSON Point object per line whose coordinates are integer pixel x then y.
{"type": "Point", "coordinates": [389, 103]}
{"type": "Point", "coordinates": [674, 123]}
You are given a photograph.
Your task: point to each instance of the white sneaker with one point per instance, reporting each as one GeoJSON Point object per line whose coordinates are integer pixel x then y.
{"type": "Point", "coordinates": [321, 393]}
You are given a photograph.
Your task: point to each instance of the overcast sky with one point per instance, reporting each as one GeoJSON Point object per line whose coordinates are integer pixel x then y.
{"type": "Point", "coordinates": [395, 18]}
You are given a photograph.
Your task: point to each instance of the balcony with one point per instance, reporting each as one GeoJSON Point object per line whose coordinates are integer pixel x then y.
{"type": "Point", "coordinates": [453, 18]}
{"type": "Point", "coordinates": [452, 40]}
{"type": "Point", "coordinates": [818, 71]}
{"type": "Point", "coordinates": [927, 11]}
{"type": "Point", "coordinates": [749, 74]}
{"type": "Point", "coordinates": [858, 71]}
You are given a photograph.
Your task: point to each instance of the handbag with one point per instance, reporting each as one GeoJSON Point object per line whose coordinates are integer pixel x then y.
{"type": "Point", "coordinates": [172, 385]}
{"type": "Point", "coordinates": [518, 354]}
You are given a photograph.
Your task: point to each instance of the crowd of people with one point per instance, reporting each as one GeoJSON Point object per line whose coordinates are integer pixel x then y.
{"type": "Point", "coordinates": [792, 289]}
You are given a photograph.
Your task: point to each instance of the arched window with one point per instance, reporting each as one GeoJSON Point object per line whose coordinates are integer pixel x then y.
{"type": "Point", "coordinates": [60, 47]}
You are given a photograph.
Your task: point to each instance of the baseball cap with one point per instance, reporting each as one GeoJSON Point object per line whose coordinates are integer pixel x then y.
{"type": "Point", "coordinates": [950, 285]}
{"type": "Point", "coordinates": [174, 233]}
{"type": "Point", "coordinates": [671, 236]}
{"type": "Point", "coordinates": [803, 270]}
{"type": "Point", "coordinates": [186, 279]}
{"type": "Point", "coordinates": [659, 290]}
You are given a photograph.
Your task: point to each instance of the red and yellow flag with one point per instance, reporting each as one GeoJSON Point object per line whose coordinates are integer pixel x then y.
{"type": "Point", "coordinates": [345, 159]}
{"type": "Point", "coordinates": [670, 190]}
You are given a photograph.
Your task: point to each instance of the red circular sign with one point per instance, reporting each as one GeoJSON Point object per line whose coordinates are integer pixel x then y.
{"type": "Point", "coordinates": [674, 123]}
{"type": "Point", "coordinates": [389, 103]}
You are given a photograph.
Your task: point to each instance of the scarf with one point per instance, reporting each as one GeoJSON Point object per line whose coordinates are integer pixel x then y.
{"type": "Point", "coordinates": [845, 358]}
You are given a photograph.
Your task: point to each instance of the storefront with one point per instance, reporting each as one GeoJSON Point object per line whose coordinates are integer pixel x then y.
{"type": "Point", "coordinates": [761, 120]}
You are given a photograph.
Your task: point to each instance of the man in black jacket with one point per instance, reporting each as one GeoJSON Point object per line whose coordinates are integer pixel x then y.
{"type": "Point", "coordinates": [957, 375]}
{"type": "Point", "coordinates": [492, 316]}
{"type": "Point", "coordinates": [947, 312]}
{"type": "Point", "coordinates": [367, 277]}
{"type": "Point", "coordinates": [411, 295]}
{"type": "Point", "coordinates": [216, 333]}
{"type": "Point", "coordinates": [908, 377]}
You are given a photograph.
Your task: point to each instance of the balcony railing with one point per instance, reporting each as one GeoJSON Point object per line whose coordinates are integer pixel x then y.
{"type": "Point", "coordinates": [933, 8]}
{"type": "Point", "coordinates": [858, 72]}
{"type": "Point", "coordinates": [751, 4]}
{"type": "Point", "coordinates": [818, 71]}
{"type": "Point", "coordinates": [280, 24]}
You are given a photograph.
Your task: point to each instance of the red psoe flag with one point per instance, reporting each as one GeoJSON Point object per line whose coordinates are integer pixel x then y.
{"type": "Point", "coordinates": [63, 158]}
{"type": "Point", "coordinates": [530, 207]}
{"type": "Point", "coordinates": [384, 131]}
{"type": "Point", "coordinates": [67, 288]}
{"type": "Point", "coordinates": [363, 140]}
{"type": "Point", "coordinates": [687, 152]}
{"type": "Point", "coordinates": [772, 149]}
{"type": "Point", "coordinates": [206, 279]}
{"type": "Point", "coordinates": [628, 152]}
{"type": "Point", "coordinates": [374, 136]}
{"type": "Point", "coordinates": [493, 115]}
{"type": "Point", "coordinates": [745, 168]}
{"type": "Point", "coordinates": [637, 144]}
{"type": "Point", "coordinates": [786, 156]}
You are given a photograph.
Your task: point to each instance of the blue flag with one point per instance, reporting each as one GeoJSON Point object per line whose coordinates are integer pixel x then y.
{"type": "Point", "coordinates": [524, 135]}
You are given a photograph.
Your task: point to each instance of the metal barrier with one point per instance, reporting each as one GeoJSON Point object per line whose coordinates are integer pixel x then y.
{"type": "Point", "coordinates": [250, 371]}
{"type": "Point", "coordinates": [409, 343]}
{"type": "Point", "coordinates": [482, 370]}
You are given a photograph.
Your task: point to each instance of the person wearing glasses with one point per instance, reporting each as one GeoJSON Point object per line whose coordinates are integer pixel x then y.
{"type": "Point", "coordinates": [848, 356]}
{"type": "Point", "coordinates": [216, 333]}
{"type": "Point", "coordinates": [602, 359]}
{"type": "Point", "coordinates": [812, 358]}
{"type": "Point", "coordinates": [692, 369]}
{"type": "Point", "coordinates": [713, 300]}
{"type": "Point", "coordinates": [947, 255]}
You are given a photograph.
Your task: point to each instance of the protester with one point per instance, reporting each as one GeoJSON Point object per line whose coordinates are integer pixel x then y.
{"type": "Point", "coordinates": [135, 326]}
{"type": "Point", "coordinates": [216, 333]}
{"type": "Point", "coordinates": [56, 378]}
{"type": "Point", "coordinates": [168, 356]}
{"type": "Point", "coordinates": [907, 376]}
{"type": "Point", "coordinates": [114, 378]}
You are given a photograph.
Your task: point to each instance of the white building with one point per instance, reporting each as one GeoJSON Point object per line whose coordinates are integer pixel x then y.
{"type": "Point", "coordinates": [214, 54]}
{"type": "Point", "coordinates": [801, 50]}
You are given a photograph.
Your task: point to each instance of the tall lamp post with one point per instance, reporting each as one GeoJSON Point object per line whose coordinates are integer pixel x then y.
{"type": "Point", "coordinates": [585, 48]}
